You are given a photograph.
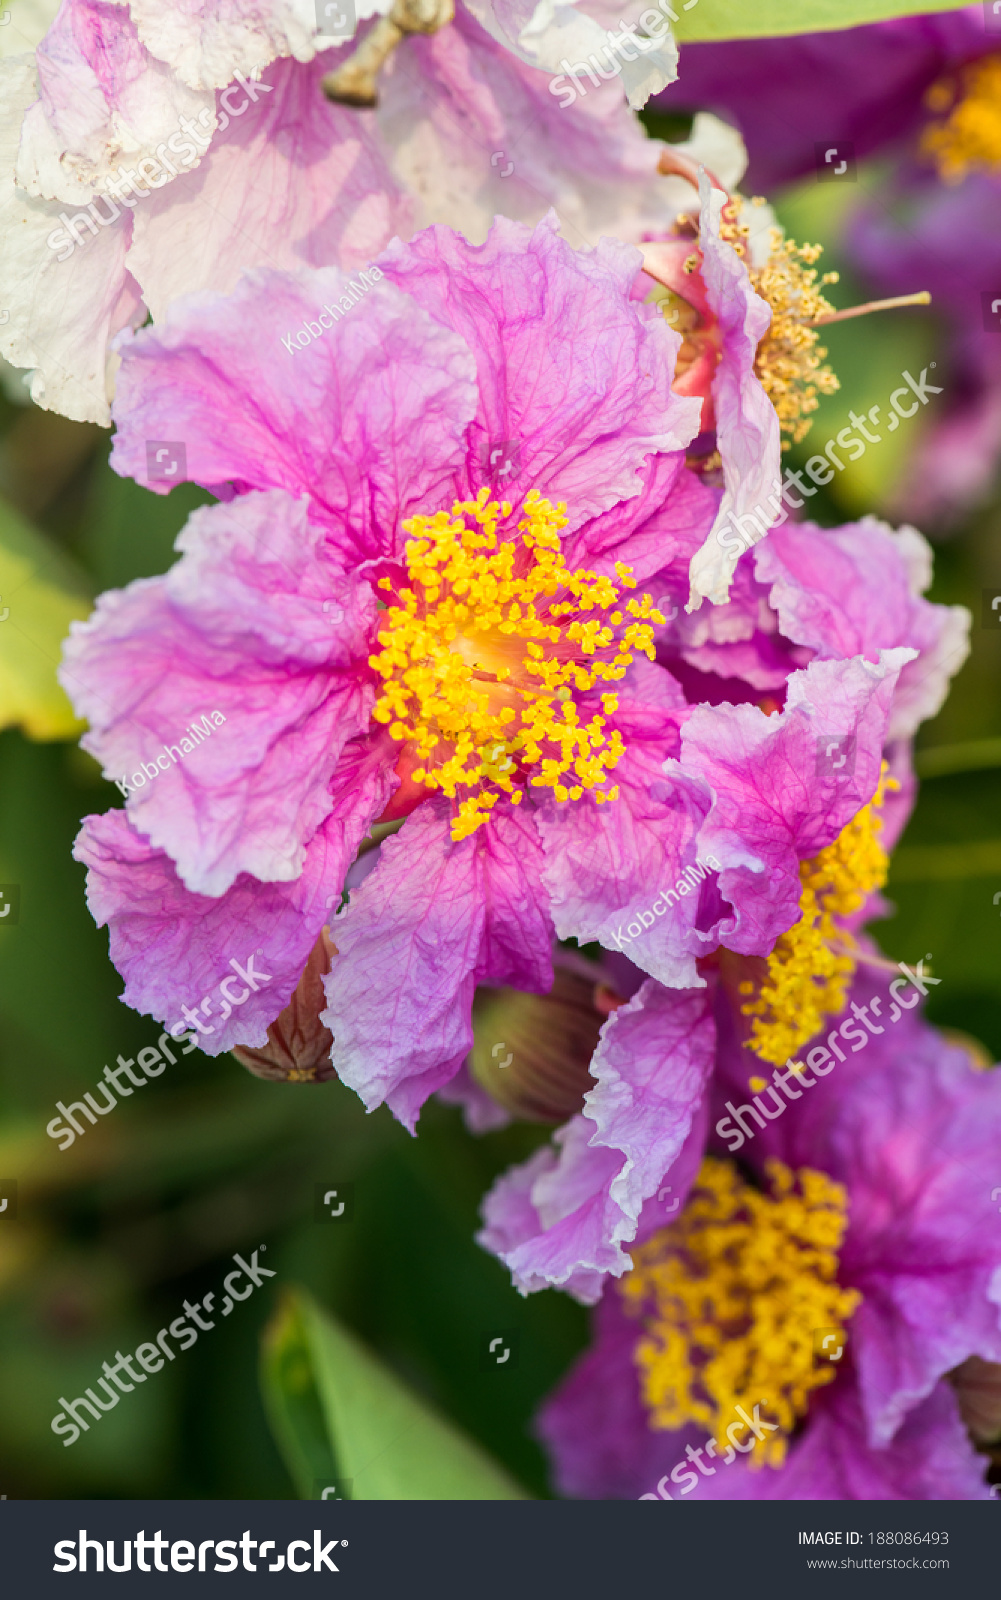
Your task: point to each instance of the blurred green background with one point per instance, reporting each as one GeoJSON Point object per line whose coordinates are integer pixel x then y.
{"type": "Point", "coordinates": [146, 1209]}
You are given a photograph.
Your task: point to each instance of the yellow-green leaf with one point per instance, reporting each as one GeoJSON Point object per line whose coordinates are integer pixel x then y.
{"type": "Point", "coordinates": [338, 1413]}
{"type": "Point", "coordinates": [41, 592]}
{"type": "Point", "coordinates": [737, 19]}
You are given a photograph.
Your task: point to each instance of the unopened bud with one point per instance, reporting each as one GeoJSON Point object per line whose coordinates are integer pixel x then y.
{"type": "Point", "coordinates": [298, 1047]}
{"type": "Point", "coordinates": [978, 1389]}
{"type": "Point", "coordinates": [532, 1052]}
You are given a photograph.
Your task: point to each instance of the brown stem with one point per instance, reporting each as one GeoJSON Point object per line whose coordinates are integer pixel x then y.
{"type": "Point", "coordinates": [354, 83]}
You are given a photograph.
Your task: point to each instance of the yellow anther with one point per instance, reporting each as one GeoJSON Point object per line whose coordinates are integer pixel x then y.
{"type": "Point", "coordinates": [731, 1296]}
{"type": "Point", "coordinates": [476, 671]}
{"type": "Point", "coordinates": [790, 359]}
{"type": "Point", "coordinates": [969, 140]}
{"type": "Point", "coordinates": [811, 966]}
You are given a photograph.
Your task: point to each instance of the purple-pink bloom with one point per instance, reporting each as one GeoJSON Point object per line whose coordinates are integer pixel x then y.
{"type": "Point", "coordinates": [842, 604]}
{"type": "Point", "coordinates": [908, 1126]}
{"type": "Point", "coordinates": [456, 362]}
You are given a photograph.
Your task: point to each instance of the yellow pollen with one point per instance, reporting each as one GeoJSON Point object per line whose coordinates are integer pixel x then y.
{"type": "Point", "coordinates": [790, 360]}
{"type": "Point", "coordinates": [731, 1297]}
{"type": "Point", "coordinates": [969, 139]}
{"type": "Point", "coordinates": [812, 964]}
{"type": "Point", "coordinates": [484, 647]}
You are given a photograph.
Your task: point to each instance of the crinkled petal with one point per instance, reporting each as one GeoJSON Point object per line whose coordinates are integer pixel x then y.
{"type": "Point", "coordinates": [547, 36]}
{"type": "Point", "coordinates": [911, 1129]}
{"type": "Point", "coordinates": [63, 303]}
{"type": "Point", "coordinates": [433, 919]}
{"type": "Point", "coordinates": [656, 529]}
{"type": "Point", "coordinates": [175, 948]}
{"type": "Point", "coordinates": [644, 1122]}
{"type": "Point", "coordinates": [747, 428]}
{"type": "Point", "coordinates": [475, 132]}
{"type": "Point", "coordinates": [289, 180]}
{"type": "Point", "coordinates": [782, 786]}
{"type": "Point", "coordinates": [366, 419]}
{"type": "Point", "coordinates": [556, 1251]}
{"type": "Point", "coordinates": [103, 103]}
{"type": "Point", "coordinates": [232, 734]}
{"type": "Point", "coordinates": [615, 871]}
{"type": "Point", "coordinates": [207, 42]}
{"type": "Point", "coordinates": [857, 590]}
{"type": "Point", "coordinates": [585, 414]}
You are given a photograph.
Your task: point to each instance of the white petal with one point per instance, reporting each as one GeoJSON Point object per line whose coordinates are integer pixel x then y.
{"type": "Point", "coordinates": [61, 313]}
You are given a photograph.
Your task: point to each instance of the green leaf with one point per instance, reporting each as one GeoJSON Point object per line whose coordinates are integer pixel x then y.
{"type": "Point", "coordinates": [736, 19]}
{"type": "Point", "coordinates": [338, 1413]}
{"type": "Point", "coordinates": [41, 592]}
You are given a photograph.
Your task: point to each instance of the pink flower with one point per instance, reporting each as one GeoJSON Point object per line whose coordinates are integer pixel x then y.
{"type": "Point", "coordinates": [458, 368]}
{"type": "Point", "coordinates": [817, 627]}
{"type": "Point", "coordinates": [907, 1126]}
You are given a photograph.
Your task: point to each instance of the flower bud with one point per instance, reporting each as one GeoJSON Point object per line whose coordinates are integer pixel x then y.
{"type": "Point", "coordinates": [298, 1047]}
{"type": "Point", "coordinates": [978, 1389]}
{"type": "Point", "coordinates": [532, 1052]}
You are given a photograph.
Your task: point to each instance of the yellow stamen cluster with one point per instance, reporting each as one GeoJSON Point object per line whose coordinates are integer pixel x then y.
{"type": "Point", "coordinates": [483, 649]}
{"type": "Point", "coordinates": [731, 228]}
{"type": "Point", "coordinates": [969, 140]}
{"type": "Point", "coordinates": [790, 360]}
{"type": "Point", "coordinates": [811, 966]}
{"type": "Point", "coordinates": [732, 1295]}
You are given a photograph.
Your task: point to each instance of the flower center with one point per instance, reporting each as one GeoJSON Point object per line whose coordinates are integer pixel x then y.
{"type": "Point", "coordinates": [811, 966]}
{"type": "Point", "coordinates": [791, 361]}
{"type": "Point", "coordinates": [483, 647]}
{"type": "Point", "coordinates": [731, 1296]}
{"type": "Point", "coordinates": [969, 139]}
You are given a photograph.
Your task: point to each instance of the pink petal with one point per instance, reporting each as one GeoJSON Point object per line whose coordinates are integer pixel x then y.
{"type": "Point", "coordinates": [585, 414]}
{"type": "Point", "coordinates": [777, 799]}
{"type": "Point", "coordinates": [563, 1218]}
{"type": "Point", "coordinates": [608, 867]}
{"type": "Point", "coordinates": [272, 712]}
{"type": "Point", "coordinates": [366, 418]}
{"type": "Point", "coordinates": [747, 428]}
{"type": "Point", "coordinates": [432, 921]}
{"type": "Point", "coordinates": [175, 948]}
